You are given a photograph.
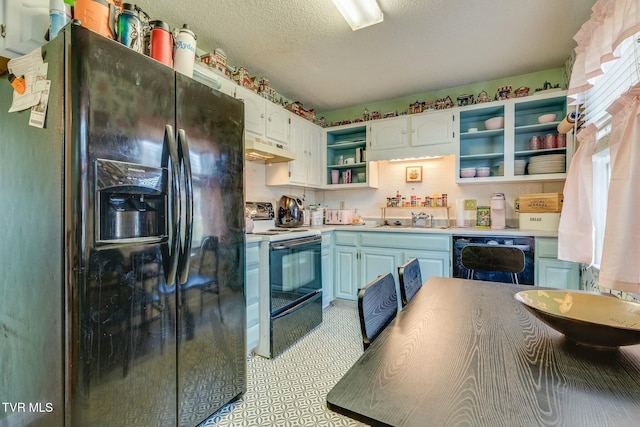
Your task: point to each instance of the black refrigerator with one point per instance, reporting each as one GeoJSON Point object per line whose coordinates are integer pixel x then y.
{"type": "Point", "coordinates": [123, 245]}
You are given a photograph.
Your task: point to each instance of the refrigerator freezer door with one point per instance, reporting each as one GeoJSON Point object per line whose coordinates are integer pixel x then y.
{"type": "Point", "coordinates": [211, 307]}
{"type": "Point", "coordinates": [123, 355]}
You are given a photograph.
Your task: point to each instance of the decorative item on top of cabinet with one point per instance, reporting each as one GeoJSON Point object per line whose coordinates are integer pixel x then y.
{"type": "Point", "coordinates": [483, 97]}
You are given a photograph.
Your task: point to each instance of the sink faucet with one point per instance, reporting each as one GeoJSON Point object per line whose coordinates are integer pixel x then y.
{"type": "Point", "coordinates": [421, 220]}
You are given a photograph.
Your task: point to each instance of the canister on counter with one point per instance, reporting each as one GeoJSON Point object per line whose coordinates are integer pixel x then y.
{"type": "Point", "coordinates": [483, 219]}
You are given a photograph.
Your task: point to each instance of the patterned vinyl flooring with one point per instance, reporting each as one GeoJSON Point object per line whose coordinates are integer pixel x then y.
{"type": "Point", "coordinates": [291, 389]}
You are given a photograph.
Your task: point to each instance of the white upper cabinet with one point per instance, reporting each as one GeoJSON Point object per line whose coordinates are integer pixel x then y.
{"type": "Point", "coordinates": [420, 135]}
{"type": "Point", "coordinates": [277, 124]}
{"type": "Point", "coordinates": [264, 119]}
{"type": "Point", "coordinates": [433, 129]}
{"type": "Point", "coordinates": [387, 135]}
{"type": "Point", "coordinates": [306, 144]}
{"type": "Point", "coordinates": [24, 24]}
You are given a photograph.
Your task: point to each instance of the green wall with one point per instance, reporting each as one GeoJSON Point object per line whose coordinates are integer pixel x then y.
{"type": "Point", "coordinates": [532, 81]}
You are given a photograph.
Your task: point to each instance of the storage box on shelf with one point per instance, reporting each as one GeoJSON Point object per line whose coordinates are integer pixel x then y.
{"type": "Point", "coordinates": [347, 157]}
{"type": "Point", "coordinates": [509, 152]}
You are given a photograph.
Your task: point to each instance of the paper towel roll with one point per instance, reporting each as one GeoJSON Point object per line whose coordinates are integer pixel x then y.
{"type": "Point", "coordinates": [567, 124]}
{"type": "Point", "coordinates": [460, 222]}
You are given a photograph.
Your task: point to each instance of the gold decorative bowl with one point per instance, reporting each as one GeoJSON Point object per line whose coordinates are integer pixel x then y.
{"type": "Point", "coordinates": [589, 318]}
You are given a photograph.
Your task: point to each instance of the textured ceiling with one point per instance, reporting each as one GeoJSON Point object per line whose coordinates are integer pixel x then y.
{"type": "Point", "coordinates": [310, 54]}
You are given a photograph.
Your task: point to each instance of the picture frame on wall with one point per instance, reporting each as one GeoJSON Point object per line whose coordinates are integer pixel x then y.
{"type": "Point", "coordinates": [413, 174]}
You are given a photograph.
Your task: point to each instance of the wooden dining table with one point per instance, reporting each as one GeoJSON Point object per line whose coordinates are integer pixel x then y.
{"type": "Point", "coordinates": [466, 353]}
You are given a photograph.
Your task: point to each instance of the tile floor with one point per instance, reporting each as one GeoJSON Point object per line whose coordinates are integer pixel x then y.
{"type": "Point", "coordinates": [291, 390]}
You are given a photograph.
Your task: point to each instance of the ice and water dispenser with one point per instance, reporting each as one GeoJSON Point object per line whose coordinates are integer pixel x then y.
{"type": "Point", "coordinates": [131, 202]}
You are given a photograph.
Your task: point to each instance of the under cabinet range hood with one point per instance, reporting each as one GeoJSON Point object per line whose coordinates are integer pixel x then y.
{"type": "Point", "coordinates": [259, 150]}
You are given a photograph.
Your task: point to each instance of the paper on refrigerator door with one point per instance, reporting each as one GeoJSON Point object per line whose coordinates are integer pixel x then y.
{"type": "Point", "coordinates": [34, 71]}
{"type": "Point", "coordinates": [39, 111]}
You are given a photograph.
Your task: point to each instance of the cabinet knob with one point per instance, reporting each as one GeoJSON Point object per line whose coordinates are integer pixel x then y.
{"type": "Point", "coordinates": [269, 119]}
{"type": "Point", "coordinates": [262, 116]}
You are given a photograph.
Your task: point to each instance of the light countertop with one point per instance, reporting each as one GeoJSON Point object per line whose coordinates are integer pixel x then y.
{"type": "Point", "coordinates": [468, 231]}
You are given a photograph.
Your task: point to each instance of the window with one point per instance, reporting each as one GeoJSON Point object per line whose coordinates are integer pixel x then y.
{"type": "Point", "coordinates": [601, 178]}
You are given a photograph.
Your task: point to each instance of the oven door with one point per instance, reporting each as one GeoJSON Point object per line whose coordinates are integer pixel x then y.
{"type": "Point", "coordinates": [295, 272]}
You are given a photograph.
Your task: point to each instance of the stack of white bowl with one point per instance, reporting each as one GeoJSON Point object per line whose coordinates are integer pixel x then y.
{"type": "Point", "coordinates": [467, 172]}
{"type": "Point", "coordinates": [483, 172]}
{"type": "Point", "coordinates": [519, 167]}
{"type": "Point", "coordinates": [548, 163]}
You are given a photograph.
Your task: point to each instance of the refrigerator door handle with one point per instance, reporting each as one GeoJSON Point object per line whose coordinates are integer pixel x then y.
{"type": "Point", "coordinates": [170, 251]}
{"type": "Point", "coordinates": [185, 248]}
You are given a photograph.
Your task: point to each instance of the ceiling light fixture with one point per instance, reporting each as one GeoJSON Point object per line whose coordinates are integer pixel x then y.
{"type": "Point", "coordinates": [360, 13]}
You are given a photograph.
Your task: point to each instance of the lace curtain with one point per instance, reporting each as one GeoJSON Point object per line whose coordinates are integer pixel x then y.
{"type": "Point", "coordinates": [599, 40]}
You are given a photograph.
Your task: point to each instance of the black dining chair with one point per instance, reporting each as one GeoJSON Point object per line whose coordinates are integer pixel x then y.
{"type": "Point", "coordinates": [500, 258]}
{"type": "Point", "coordinates": [410, 280]}
{"type": "Point", "coordinates": [377, 307]}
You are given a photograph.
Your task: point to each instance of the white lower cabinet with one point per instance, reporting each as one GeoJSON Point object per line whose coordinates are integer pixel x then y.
{"type": "Point", "coordinates": [327, 268]}
{"type": "Point", "coordinates": [252, 281]}
{"type": "Point", "coordinates": [552, 272]}
{"type": "Point", "coordinates": [360, 257]}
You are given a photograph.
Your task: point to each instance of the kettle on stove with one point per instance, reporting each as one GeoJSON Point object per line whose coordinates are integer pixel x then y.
{"type": "Point", "coordinates": [289, 212]}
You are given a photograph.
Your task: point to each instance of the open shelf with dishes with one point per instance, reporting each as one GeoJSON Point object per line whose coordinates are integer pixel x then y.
{"type": "Point", "coordinates": [347, 166]}
{"type": "Point", "coordinates": [524, 150]}
{"type": "Point", "coordinates": [480, 148]}
{"type": "Point", "coordinates": [536, 138]}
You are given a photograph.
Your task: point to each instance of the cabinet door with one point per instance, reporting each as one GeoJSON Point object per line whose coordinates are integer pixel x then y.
{"type": "Point", "coordinates": [345, 277]}
{"type": "Point", "coordinates": [25, 24]}
{"type": "Point", "coordinates": [254, 111]}
{"type": "Point", "coordinates": [298, 168]}
{"type": "Point", "coordinates": [432, 263]}
{"type": "Point", "coordinates": [554, 273]}
{"type": "Point", "coordinates": [277, 124]}
{"type": "Point", "coordinates": [327, 269]}
{"type": "Point", "coordinates": [314, 151]}
{"type": "Point", "coordinates": [252, 269]}
{"type": "Point", "coordinates": [432, 128]}
{"type": "Point", "coordinates": [376, 262]}
{"type": "Point", "coordinates": [388, 134]}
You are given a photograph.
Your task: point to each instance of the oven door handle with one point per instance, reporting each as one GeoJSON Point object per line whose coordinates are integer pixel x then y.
{"type": "Point", "coordinates": [311, 298]}
{"type": "Point", "coordinates": [281, 246]}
